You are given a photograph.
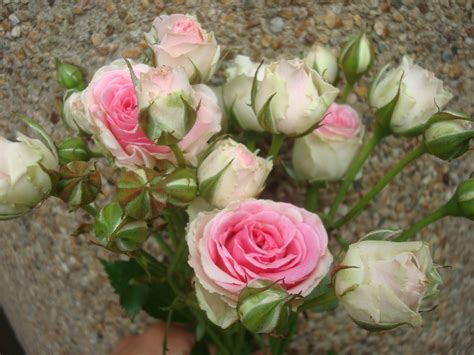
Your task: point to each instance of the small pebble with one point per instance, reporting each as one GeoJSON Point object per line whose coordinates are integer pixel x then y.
{"type": "Point", "coordinates": [277, 24]}
{"type": "Point", "coordinates": [14, 19]}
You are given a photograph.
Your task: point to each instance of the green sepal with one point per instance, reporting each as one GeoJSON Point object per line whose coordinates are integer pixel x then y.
{"type": "Point", "coordinates": [376, 79]}
{"type": "Point", "coordinates": [40, 132]}
{"type": "Point", "coordinates": [79, 183]}
{"type": "Point", "coordinates": [208, 187]}
{"type": "Point", "coordinates": [264, 117]}
{"type": "Point", "coordinates": [69, 76]}
{"type": "Point", "coordinates": [181, 186]}
{"type": "Point", "coordinates": [382, 234]}
{"type": "Point", "coordinates": [190, 114]}
{"type": "Point", "coordinates": [253, 91]}
{"type": "Point", "coordinates": [384, 114]}
{"type": "Point", "coordinates": [197, 77]}
{"type": "Point", "coordinates": [132, 73]}
{"type": "Point", "coordinates": [322, 299]}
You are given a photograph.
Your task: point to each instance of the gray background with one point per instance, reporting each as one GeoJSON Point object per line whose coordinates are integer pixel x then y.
{"type": "Point", "coordinates": [52, 286]}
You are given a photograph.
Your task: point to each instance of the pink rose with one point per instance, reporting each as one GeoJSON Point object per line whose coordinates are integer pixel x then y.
{"type": "Point", "coordinates": [178, 40]}
{"type": "Point", "coordinates": [112, 107]}
{"type": "Point", "coordinates": [327, 152]}
{"type": "Point", "coordinates": [254, 240]}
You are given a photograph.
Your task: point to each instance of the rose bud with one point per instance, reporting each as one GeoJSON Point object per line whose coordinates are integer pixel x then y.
{"type": "Point", "coordinates": [264, 307]}
{"type": "Point", "coordinates": [406, 97]}
{"type": "Point", "coordinates": [382, 284]}
{"type": "Point", "coordinates": [448, 139]}
{"type": "Point", "coordinates": [74, 114]}
{"type": "Point", "coordinates": [117, 232]}
{"type": "Point", "coordinates": [356, 57]}
{"type": "Point", "coordinates": [324, 62]}
{"type": "Point", "coordinates": [230, 172]}
{"type": "Point", "coordinates": [292, 98]}
{"type": "Point", "coordinates": [464, 198]}
{"type": "Point", "coordinates": [69, 76]}
{"type": "Point", "coordinates": [24, 177]}
{"type": "Point", "coordinates": [72, 149]}
{"type": "Point", "coordinates": [327, 152]}
{"type": "Point", "coordinates": [179, 41]}
{"type": "Point", "coordinates": [112, 107]}
{"type": "Point", "coordinates": [254, 240]}
{"type": "Point", "coordinates": [79, 183]}
{"type": "Point", "coordinates": [236, 92]}
{"type": "Point", "coordinates": [140, 193]}
{"type": "Point", "coordinates": [181, 186]}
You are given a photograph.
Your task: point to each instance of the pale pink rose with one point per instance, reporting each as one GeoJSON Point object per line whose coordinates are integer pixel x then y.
{"type": "Point", "coordinates": [298, 96]}
{"type": "Point", "coordinates": [340, 121]}
{"type": "Point", "coordinates": [254, 240]}
{"type": "Point", "coordinates": [112, 107]}
{"type": "Point", "coordinates": [327, 152]}
{"type": "Point", "coordinates": [179, 40]}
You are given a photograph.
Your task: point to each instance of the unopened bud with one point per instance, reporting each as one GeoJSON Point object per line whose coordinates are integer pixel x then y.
{"type": "Point", "coordinates": [140, 193]}
{"type": "Point", "coordinates": [73, 149]}
{"type": "Point", "coordinates": [69, 76]}
{"type": "Point", "coordinates": [115, 230]}
{"type": "Point", "coordinates": [448, 139]}
{"type": "Point", "coordinates": [263, 307]}
{"type": "Point", "coordinates": [356, 57]}
{"type": "Point", "coordinates": [181, 186]}
{"type": "Point", "coordinates": [464, 197]}
{"type": "Point", "coordinates": [79, 183]}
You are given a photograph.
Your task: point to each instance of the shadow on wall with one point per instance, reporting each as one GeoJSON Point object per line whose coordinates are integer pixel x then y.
{"type": "Point", "coordinates": [9, 344]}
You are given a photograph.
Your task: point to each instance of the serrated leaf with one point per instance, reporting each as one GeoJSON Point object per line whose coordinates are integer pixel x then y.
{"type": "Point", "coordinates": [121, 274]}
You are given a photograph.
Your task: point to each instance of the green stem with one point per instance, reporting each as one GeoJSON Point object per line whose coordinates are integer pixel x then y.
{"type": "Point", "coordinates": [355, 167]}
{"type": "Point", "coordinates": [345, 92]}
{"type": "Point", "coordinates": [178, 154]}
{"type": "Point", "coordinates": [175, 262]}
{"type": "Point", "coordinates": [282, 344]}
{"type": "Point", "coordinates": [239, 341]}
{"type": "Point", "coordinates": [392, 172]}
{"type": "Point", "coordinates": [311, 198]}
{"type": "Point", "coordinates": [277, 141]}
{"type": "Point", "coordinates": [441, 212]}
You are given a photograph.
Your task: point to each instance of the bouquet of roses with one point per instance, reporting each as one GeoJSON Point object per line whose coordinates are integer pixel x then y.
{"type": "Point", "coordinates": [189, 163]}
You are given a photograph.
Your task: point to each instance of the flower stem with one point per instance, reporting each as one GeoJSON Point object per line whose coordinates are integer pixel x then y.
{"type": "Point", "coordinates": [239, 341]}
{"type": "Point", "coordinates": [277, 141]}
{"type": "Point", "coordinates": [345, 92]}
{"type": "Point", "coordinates": [394, 170]}
{"type": "Point", "coordinates": [282, 344]}
{"type": "Point", "coordinates": [355, 167]}
{"type": "Point", "coordinates": [178, 154]}
{"type": "Point", "coordinates": [441, 212]}
{"type": "Point", "coordinates": [311, 198]}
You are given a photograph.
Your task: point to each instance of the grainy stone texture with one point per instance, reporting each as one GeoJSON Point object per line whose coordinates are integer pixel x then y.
{"type": "Point", "coordinates": [53, 287]}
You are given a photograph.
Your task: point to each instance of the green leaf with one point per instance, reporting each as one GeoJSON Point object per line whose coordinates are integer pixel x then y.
{"type": "Point", "coordinates": [161, 298]}
{"type": "Point", "coordinates": [121, 275]}
{"type": "Point", "coordinates": [322, 299]}
{"type": "Point", "coordinates": [200, 348]}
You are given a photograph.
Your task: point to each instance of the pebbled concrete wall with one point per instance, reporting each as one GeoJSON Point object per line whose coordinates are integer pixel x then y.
{"type": "Point", "coordinates": [52, 286]}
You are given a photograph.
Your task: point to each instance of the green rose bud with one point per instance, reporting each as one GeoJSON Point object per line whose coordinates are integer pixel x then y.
{"type": "Point", "coordinates": [69, 76]}
{"type": "Point", "coordinates": [263, 307]}
{"type": "Point", "coordinates": [448, 139]}
{"type": "Point", "coordinates": [181, 186]}
{"type": "Point", "coordinates": [73, 149]}
{"type": "Point", "coordinates": [464, 198]}
{"type": "Point", "coordinates": [79, 183]}
{"type": "Point", "coordinates": [116, 231]}
{"type": "Point", "coordinates": [356, 57]}
{"type": "Point", "coordinates": [141, 194]}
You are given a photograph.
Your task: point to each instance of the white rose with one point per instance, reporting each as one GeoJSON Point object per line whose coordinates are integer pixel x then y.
{"type": "Point", "coordinates": [324, 62]}
{"type": "Point", "coordinates": [327, 152]}
{"type": "Point", "coordinates": [386, 282]}
{"type": "Point", "coordinates": [236, 92]}
{"type": "Point", "coordinates": [179, 40]}
{"type": "Point", "coordinates": [243, 173]}
{"type": "Point", "coordinates": [421, 95]}
{"type": "Point", "coordinates": [300, 97]}
{"type": "Point", "coordinates": [24, 181]}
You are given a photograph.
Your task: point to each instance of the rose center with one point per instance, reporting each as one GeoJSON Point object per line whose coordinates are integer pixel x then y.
{"type": "Point", "coordinates": [184, 26]}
